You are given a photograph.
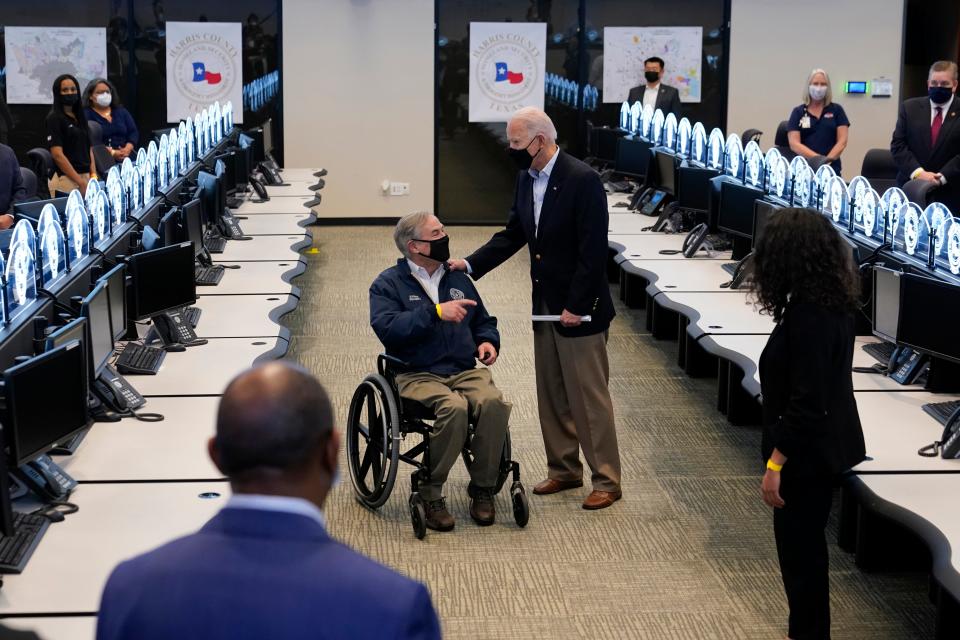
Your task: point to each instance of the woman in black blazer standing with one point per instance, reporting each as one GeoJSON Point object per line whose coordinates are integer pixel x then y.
{"type": "Point", "coordinates": [805, 277]}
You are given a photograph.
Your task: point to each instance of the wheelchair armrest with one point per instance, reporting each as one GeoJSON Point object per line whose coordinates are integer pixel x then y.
{"type": "Point", "coordinates": [386, 362]}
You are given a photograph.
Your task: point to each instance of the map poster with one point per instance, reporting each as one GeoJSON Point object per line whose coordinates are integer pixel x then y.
{"type": "Point", "coordinates": [507, 68]}
{"type": "Point", "coordinates": [203, 66]}
{"type": "Point", "coordinates": [37, 55]}
{"type": "Point", "coordinates": [625, 49]}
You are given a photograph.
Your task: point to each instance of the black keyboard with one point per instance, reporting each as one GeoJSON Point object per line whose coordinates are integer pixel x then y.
{"type": "Point", "coordinates": [880, 351]}
{"type": "Point", "coordinates": [191, 315]}
{"type": "Point", "coordinates": [234, 203]}
{"type": "Point", "coordinates": [941, 411]}
{"type": "Point", "coordinates": [138, 359]}
{"type": "Point", "coordinates": [208, 276]}
{"type": "Point", "coordinates": [16, 550]}
{"type": "Point", "coordinates": [215, 244]}
{"type": "Point", "coordinates": [69, 447]}
{"type": "Point", "coordinates": [729, 267]}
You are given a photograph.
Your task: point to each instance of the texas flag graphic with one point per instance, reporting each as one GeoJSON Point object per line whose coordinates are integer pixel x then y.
{"type": "Point", "coordinates": [503, 75]}
{"type": "Point", "coordinates": [200, 74]}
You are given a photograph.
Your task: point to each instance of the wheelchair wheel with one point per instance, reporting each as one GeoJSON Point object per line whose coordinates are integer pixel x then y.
{"type": "Point", "coordinates": [521, 505]}
{"type": "Point", "coordinates": [505, 459]}
{"type": "Point", "coordinates": [418, 516]}
{"type": "Point", "coordinates": [373, 440]}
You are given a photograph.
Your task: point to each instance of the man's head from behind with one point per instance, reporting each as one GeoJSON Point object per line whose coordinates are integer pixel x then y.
{"type": "Point", "coordinates": [275, 433]}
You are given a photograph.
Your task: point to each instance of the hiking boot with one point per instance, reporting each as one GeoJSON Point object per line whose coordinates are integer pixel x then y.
{"type": "Point", "coordinates": [482, 509]}
{"type": "Point", "coordinates": [438, 518]}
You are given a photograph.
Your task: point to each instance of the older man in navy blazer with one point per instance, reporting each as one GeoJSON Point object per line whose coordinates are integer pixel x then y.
{"type": "Point", "coordinates": [265, 567]}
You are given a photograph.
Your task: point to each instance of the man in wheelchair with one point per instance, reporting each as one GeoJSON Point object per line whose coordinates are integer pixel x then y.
{"type": "Point", "coordinates": [433, 320]}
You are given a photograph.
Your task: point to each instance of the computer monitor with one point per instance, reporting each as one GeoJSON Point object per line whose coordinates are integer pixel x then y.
{"type": "Point", "coordinates": [210, 197]}
{"type": "Point", "coordinates": [46, 402]}
{"type": "Point", "coordinates": [76, 329]}
{"type": "Point", "coordinates": [32, 209]}
{"type": "Point", "coordinates": [96, 309]}
{"type": "Point", "coordinates": [150, 215]}
{"type": "Point", "coordinates": [918, 296]}
{"type": "Point", "coordinates": [763, 211]}
{"type": "Point", "coordinates": [191, 217]}
{"type": "Point", "coordinates": [267, 136]}
{"type": "Point", "coordinates": [230, 162]}
{"type": "Point", "coordinates": [666, 171]}
{"type": "Point", "coordinates": [162, 280]}
{"type": "Point", "coordinates": [735, 215]}
{"type": "Point", "coordinates": [245, 166]}
{"type": "Point", "coordinates": [257, 147]}
{"type": "Point", "coordinates": [633, 157]}
{"type": "Point", "coordinates": [169, 228]}
{"type": "Point", "coordinates": [693, 187]}
{"type": "Point", "coordinates": [116, 281]}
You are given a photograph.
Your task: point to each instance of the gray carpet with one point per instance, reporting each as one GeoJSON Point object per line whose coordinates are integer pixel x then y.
{"type": "Point", "coordinates": [688, 552]}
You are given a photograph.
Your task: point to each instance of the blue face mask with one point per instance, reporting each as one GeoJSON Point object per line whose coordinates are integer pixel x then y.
{"type": "Point", "coordinates": [939, 95]}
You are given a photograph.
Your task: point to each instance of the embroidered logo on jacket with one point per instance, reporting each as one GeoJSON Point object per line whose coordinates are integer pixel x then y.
{"type": "Point", "coordinates": [413, 297]}
{"type": "Point", "coordinates": [456, 294]}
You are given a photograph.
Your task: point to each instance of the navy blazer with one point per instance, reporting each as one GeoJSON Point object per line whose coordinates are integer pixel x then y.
{"type": "Point", "coordinates": [11, 180]}
{"type": "Point", "coordinates": [568, 251]}
{"type": "Point", "coordinates": [911, 147]}
{"type": "Point", "coordinates": [250, 575]}
{"type": "Point", "coordinates": [809, 410]}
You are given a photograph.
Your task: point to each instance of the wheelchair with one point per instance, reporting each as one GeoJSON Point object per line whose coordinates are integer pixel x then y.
{"type": "Point", "coordinates": [379, 420]}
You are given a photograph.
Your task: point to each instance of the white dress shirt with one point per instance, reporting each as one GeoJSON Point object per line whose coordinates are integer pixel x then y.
{"type": "Point", "coordinates": [282, 504]}
{"type": "Point", "coordinates": [430, 283]}
{"type": "Point", "coordinates": [650, 95]}
{"type": "Point", "coordinates": [540, 180]}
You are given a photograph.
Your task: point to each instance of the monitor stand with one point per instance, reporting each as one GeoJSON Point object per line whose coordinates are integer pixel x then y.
{"type": "Point", "coordinates": [943, 376]}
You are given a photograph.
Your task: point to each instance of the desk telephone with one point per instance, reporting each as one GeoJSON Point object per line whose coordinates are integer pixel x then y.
{"type": "Point", "coordinates": [259, 188]}
{"type": "Point", "coordinates": [906, 365]}
{"type": "Point", "coordinates": [694, 239]}
{"type": "Point", "coordinates": [173, 329]}
{"type": "Point", "coordinates": [948, 446]}
{"type": "Point", "coordinates": [115, 392]}
{"type": "Point", "coordinates": [270, 174]}
{"type": "Point", "coordinates": [230, 228]}
{"type": "Point", "coordinates": [46, 479]}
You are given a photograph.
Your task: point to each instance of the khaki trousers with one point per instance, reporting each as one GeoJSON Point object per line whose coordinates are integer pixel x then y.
{"type": "Point", "coordinates": [63, 183]}
{"type": "Point", "coordinates": [576, 412]}
{"type": "Point", "coordinates": [454, 400]}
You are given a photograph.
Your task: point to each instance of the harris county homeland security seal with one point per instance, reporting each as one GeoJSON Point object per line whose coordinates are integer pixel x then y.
{"type": "Point", "coordinates": [203, 68]}
{"type": "Point", "coordinates": [506, 70]}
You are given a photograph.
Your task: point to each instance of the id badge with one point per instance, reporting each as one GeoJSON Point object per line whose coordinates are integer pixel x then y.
{"type": "Point", "coordinates": [805, 122]}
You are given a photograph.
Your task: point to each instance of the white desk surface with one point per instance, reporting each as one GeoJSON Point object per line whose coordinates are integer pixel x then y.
{"type": "Point", "coordinates": [264, 248]}
{"type": "Point", "coordinates": [299, 173]}
{"type": "Point", "coordinates": [277, 225]}
{"type": "Point", "coordinates": [70, 566]}
{"type": "Point", "coordinates": [273, 206]}
{"type": "Point", "coordinates": [712, 313]}
{"type": "Point", "coordinates": [926, 503]}
{"type": "Point", "coordinates": [647, 246]}
{"type": "Point", "coordinates": [206, 369]}
{"type": "Point", "coordinates": [692, 274]}
{"type": "Point", "coordinates": [130, 450]}
{"type": "Point", "coordinates": [745, 352]}
{"type": "Point", "coordinates": [58, 628]}
{"type": "Point", "coordinates": [614, 198]}
{"type": "Point", "coordinates": [291, 189]}
{"type": "Point", "coordinates": [243, 316]}
{"type": "Point", "coordinates": [257, 277]}
{"type": "Point", "coordinates": [623, 222]}
{"type": "Point", "coordinates": [894, 427]}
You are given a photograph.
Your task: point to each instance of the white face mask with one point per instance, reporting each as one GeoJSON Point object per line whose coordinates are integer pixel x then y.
{"type": "Point", "coordinates": [104, 99]}
{"type": "Point", "coordinates": [818, 91]}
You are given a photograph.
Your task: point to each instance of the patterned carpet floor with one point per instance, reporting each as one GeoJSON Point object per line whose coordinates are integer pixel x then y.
{"type": "Point", "coordinates": [687, 553]}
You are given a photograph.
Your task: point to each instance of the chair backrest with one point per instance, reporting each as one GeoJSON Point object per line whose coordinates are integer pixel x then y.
{"type": "Point", "coordinates": [42, 163]}
{"type": "Point", "coordinates": [29, 182]}
{"type": "Point", "coordinates": [751, 134]}
{"type": "Point", "coordinates": [96, 133]}
{"type": "Point", "coordinates": [878, 163]}
{"type": "Point", "coordinates": [780, 139]}
{"type": "Point", "coordinates": [103, 159]}
{"type": "Point", "coordinates": [919, 191]}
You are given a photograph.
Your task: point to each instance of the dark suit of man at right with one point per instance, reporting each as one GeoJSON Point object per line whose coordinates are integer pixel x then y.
{"type": "Point", "coordinates": [560, 213]}
{"type": "Point", "coordinates": [655, 93]}
{"type": "Point", "coordinates": [926, 141]}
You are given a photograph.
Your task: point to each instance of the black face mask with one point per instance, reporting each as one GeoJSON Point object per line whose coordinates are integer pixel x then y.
{"type": "Point", "coordinates": [651, 76]}
{"type": "Point", "coordinates": [69, 99]}
{"type": "Point", "coordinates": [439, 249]}
{"type": "Point", "coordinates": [521, 158]}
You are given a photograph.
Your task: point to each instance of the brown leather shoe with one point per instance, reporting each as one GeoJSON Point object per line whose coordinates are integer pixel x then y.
{"type": "Point", "coordinates": [550, 485]}
{"type": "Point", "coordinates": [482, 509]}
{"type": "Point", "coordinates": [601, 499]}
{"type": "Point", "coordinates": [438, 518]}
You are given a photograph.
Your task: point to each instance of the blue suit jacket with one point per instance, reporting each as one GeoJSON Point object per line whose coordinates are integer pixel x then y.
{"type": "Point", "coordinates": [250, 574]}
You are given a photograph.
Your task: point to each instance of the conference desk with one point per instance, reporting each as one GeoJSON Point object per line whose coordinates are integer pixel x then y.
{"type": "Point", "coordinates": [264, 249]}
{"type": "Point", "coordinates": [273, 206]}
{"type": "Point", "coordinates": [206, 369]}
{"type": "Point", "coordinates": [300, 174]}
{"type": "Point", "coordinates": [258, 278]}
{"type": "Point", "coordinates": [116, 521]}
{"type": "Point", "coordinates": [290, 189]}
{"type": "Point", "coordinates": [134, 451]}
{"type": "Point", "coordinates": [244, 316]}
{"type": "Point", "coordinates": [277, 225]}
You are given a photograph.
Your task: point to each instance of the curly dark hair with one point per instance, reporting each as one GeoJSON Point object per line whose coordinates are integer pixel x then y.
{"type": "Point", "coordinates": [801, 256]}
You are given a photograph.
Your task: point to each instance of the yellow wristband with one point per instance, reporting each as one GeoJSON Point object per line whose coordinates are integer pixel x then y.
{"type": "Point", "coordinates": [773, 466]}
{"type": "Point", "coordinates": [439, 312]}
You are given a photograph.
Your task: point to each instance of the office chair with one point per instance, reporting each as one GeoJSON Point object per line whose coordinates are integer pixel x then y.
{"type": "Point", "coordinates": [29, 182]}
{"type": "Point", "coordinates": [918, 191]}
{"type": "Point", "coordinates": [751, 134]}
{"type": "Point", "coordinates": [103, 158]}
{"type": "Point", "coordinates": [41, 163]}
{"type": "Point", "coordinates": [879, 168]}
{"type": "Point", "coordinates": [781, 142]}
{"type": "Point", "coordinates": [96, 133]}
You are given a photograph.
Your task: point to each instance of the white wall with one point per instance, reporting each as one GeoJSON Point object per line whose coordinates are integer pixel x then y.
{"type": "Point", "coordinates": [775, 43]}
{"type": "Point", "coordinates": [358, 100]}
